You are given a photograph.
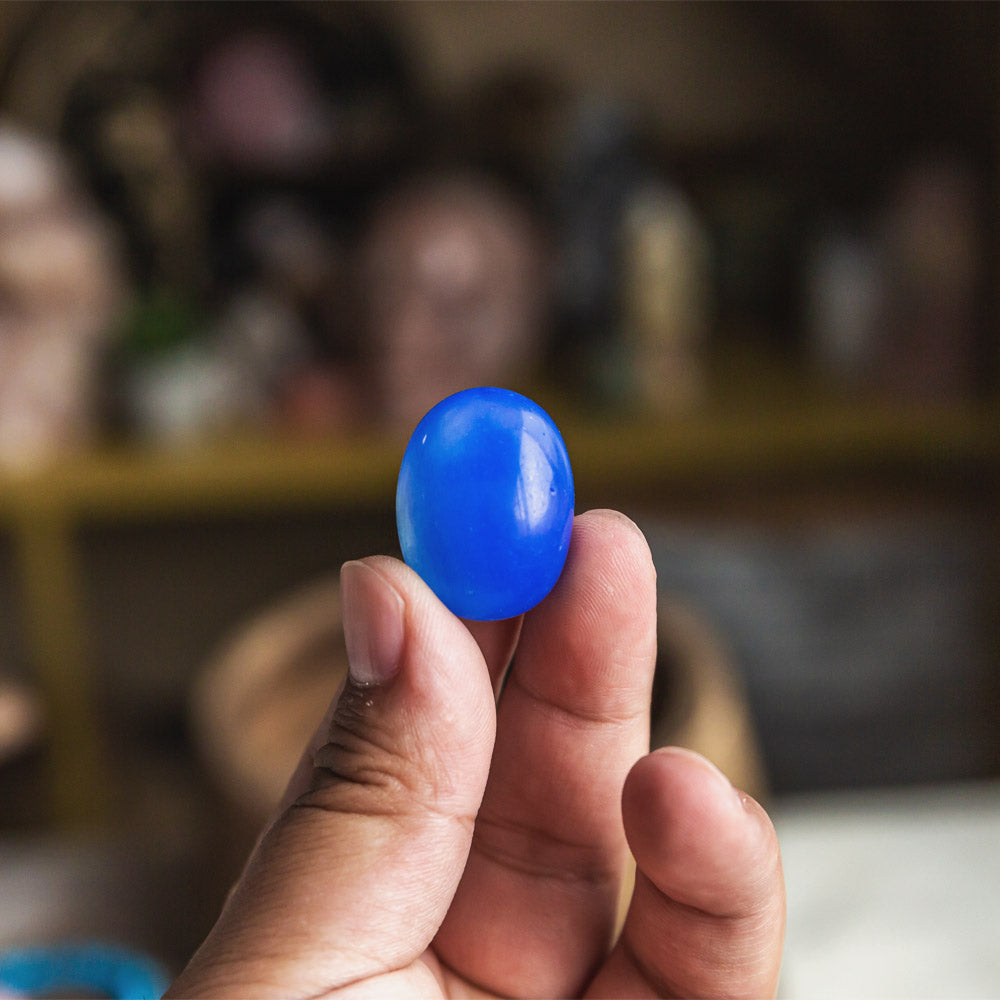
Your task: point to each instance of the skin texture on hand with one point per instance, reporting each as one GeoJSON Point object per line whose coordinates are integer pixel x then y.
{"type": "Point", "coordinates": [458, 828]}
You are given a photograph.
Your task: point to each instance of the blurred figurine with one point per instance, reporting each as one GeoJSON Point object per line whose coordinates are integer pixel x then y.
{"type": "Point", "coordinates": [21, 718]}
{"type": "Point", "coordinates": [61, 287]}
{"type": "Point", "coordinates": [665, 301]}
{"type": "Point", "coordinates": [635, 265]}
{"type": "Point", "coordinates": [845, 305]}
{"type": "Point", "coordinates": [934, 248]}
{"type": "Point", "coordinates": [215, 377]}
{"type": "Point", "coordinates": [454, 282]}
{"type": "Point", "coordinates": [256, 103]}
{"type": "Point", "coordinates": [596, 175]}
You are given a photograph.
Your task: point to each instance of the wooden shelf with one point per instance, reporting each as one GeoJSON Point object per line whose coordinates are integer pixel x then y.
{"type": "Point", "coordinates": [635, 456]}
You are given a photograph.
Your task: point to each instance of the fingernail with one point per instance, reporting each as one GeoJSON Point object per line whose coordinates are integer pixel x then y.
{"type": "Point", "coordinates": [373, 624]}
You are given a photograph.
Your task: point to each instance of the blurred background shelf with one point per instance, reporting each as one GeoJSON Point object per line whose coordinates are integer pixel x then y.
{"type": "Point", "coordinates": [906, 453]}
{"type": "Point", "coordinates": [612, 458]}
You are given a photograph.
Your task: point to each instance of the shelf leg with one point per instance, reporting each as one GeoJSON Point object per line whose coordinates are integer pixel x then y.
{"type": "Point", "coordinates": [56, 638]}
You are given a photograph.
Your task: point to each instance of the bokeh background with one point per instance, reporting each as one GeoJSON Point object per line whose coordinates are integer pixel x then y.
{"type": "Point", "coordinates": [745, 255]}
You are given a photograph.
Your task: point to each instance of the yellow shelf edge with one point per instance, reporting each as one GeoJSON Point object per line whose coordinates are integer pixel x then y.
{"type": "Point", "coordinates": [264, 473]}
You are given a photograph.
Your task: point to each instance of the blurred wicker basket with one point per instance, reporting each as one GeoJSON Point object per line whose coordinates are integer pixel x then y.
{"type": "Point", "coordinates": [260, 699]}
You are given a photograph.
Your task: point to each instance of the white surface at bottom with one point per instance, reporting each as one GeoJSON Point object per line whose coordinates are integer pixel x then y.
{"type": "Point", "coordinates": [892, 894]}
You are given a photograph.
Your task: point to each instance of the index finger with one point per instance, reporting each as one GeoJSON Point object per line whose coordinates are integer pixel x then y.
{"type": "Point", "coordinates": [549, 847]}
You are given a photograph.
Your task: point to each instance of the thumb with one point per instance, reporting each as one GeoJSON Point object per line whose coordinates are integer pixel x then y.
{"type": "Point", "coordinates": [354, 876]}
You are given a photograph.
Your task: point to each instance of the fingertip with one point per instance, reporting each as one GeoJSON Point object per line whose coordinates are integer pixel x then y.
{"type": "Point", "coordinates": [610, 559]}
{"type": "Point", "coordinates": [598, 624]}
{"type": "Point", "coordinates": [671, 795]}
{"type": "Point", "coordinates": [615, 543]}
{"type": "Point", "coordinates": [707, 916]}
{"type": "Point", "coordinates": [700, 840]}
{"type": "Point", "coordinates": [610, 515]}
{"type": "Point", "coordinates": [618, 528]}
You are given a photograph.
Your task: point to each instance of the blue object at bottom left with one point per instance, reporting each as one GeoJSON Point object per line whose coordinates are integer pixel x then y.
{"type": "Point", "coordinates": [88, 969]}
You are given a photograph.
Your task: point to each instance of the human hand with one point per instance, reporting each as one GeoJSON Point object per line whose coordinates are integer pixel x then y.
{"type": "Point", "coordinates": [436, 840]}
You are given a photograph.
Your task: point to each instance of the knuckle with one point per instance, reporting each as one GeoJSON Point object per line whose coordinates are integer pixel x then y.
{"type": "Point", "coordinates": [371, 762]}
{"type": "Point", "coordinates": [360, 751]}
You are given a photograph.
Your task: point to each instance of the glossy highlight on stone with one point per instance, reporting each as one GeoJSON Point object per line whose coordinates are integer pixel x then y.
{"type": "Point", "coordinates": [484, 503]}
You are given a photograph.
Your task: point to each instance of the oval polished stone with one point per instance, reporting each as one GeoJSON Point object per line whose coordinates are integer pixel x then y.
{"type": "Point", "coordinates": [484, 503]}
